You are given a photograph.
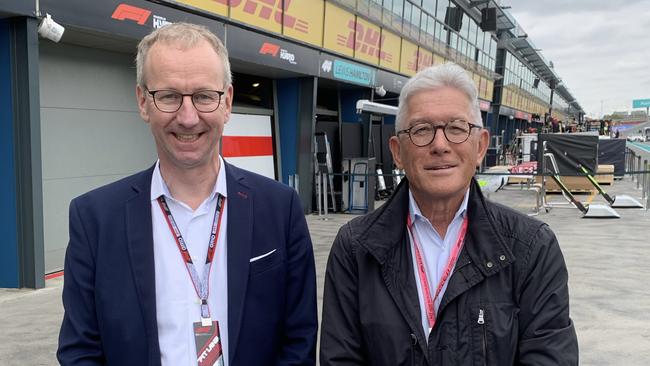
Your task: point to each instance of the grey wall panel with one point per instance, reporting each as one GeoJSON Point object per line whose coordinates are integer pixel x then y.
{"type": "Point", "coordinates": [91, 132]}
{"type": "Point", "coordinates": [57, 194]}
{"type": "Point", "coordinates": [86, 78]}
{"type": "Point", "coordinates": [83, 143]}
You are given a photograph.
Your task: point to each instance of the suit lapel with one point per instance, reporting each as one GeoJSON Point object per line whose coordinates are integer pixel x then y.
{"type": "Point", "coordinates": [139, 233]}
{"type": "Point", "coordinates": [240, 235]}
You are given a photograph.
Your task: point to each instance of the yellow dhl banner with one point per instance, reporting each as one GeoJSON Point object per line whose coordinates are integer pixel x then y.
{"type": "Point", "coordinates": [337, 30]}
{"type": "Point", "coordinates": [409, 59]}
{"type": "Point", "coordinates": [303, 20]}
{"type": "Point", "coordinates": [389, 55]}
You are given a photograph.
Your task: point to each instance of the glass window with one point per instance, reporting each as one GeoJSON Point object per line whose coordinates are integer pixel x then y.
{"type": "Point", "coordinates": [375, 10]}
{"type": "Point", "coordinates": [493, 48]}
{"type": "Point", "coordinates": [464, 27]}
{"type": "Point", "coordinates": [429, 6]}
{"type": "Point", "coordinates": [441, 32]}
{"type": "Point", "coordinates": [441, 9]}
{"type": "Point", "coordinates": [394, 16]}
{"type": "Point", "coordinates": [453, 40]}
{"type": "Point", "coordinates": [415, 22]}
{"type": "Point", "coordinates": [398, 7]}
{"type": "Point", "coordinates": [428, 28]}
{"type": "Point", "coordinates": [471, 37]}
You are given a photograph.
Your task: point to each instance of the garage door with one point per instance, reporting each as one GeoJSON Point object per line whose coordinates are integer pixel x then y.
{"type": "Point", "coordinates": [91, 132]}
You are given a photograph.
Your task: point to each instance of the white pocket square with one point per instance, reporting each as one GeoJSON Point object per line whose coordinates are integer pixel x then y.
{"type": "Point", "coordinates": [262, 256]}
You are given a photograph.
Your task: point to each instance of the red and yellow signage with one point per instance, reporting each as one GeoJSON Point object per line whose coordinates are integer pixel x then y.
{"type": "Point", "coordinates": [438, 60]}
{"type": "Point", "coordinates": [266, 14]}
{"type": "Point", "coordinates": [425, 58]}
{"type": "Point", "coordinates": [390, 50]}
{"type": "Point", "coordinates": [409, 58]}
{"type": "Point", "coordinates": [477, 81]}
{"type": "Point", "coordinates": [365, 38]}
{"type": "Point", "coordinates": [336, 36]}
{"type": "Point", "coordinates": [303, 20]}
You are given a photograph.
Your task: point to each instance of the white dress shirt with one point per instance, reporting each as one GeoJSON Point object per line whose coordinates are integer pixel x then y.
{"type": "Point", "coordinates": [177, 304]}
{"type": "Point", "coordinates": [435, 251]}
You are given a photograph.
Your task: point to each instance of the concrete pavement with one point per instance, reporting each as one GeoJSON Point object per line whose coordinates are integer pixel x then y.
{"type": "Point", "coordinates": [608, 273]}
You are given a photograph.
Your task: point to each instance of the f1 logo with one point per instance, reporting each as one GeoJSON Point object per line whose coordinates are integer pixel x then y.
{"type": "Point", "coordinates": [269, 49]}
{"type": "Point", "coordinates": [124, 12]}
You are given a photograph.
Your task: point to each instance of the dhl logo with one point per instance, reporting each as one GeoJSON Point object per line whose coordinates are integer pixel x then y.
{"type": "Point", "coordinates": [269, 9]}
{"type": "Point", "coordinates": [419, 61]}
{"type": "Point", "coordinates": [368, 41]}
{"type": "Point", "coordinates": [425, 59]}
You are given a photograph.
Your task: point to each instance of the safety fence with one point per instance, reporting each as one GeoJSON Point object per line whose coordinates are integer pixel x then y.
{"type": "Point", "coordinates": [637, 166]}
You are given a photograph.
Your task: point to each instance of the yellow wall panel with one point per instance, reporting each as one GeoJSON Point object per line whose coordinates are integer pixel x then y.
{"type": "Point", "coordinates": [219, 7]}
{"type": "Point", "coordinates": [258, 13]}
{"type": "Point", "coordinates": [390, 50]}
{"type": "Point", "coordinates": [490, 90]}
{"type": "Point", "coordinates": [368, 42]}
{"type": "Point", "coordinates": [438, 60]}
{"type": "Point", "coordinates": [303, 20]}
{"type": "Point", "coordinates": [477, 81]}
{"type": "Point", "coordinates": [339, 30]}
{"type": "Point", "coordinates": [425, 58]}
{"type": "Point", "coordinates": [409, 58]}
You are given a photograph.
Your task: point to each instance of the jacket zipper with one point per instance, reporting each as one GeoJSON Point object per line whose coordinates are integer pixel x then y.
{"type": "Point", "coordinates": [414, 343]}
{"type": "Point", "coordinates": [481, 322]}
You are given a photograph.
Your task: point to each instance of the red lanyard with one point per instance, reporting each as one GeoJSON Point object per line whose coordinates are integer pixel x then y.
{"type": "Point", "coordinates": [201, 286]}
{"type": "Point", "coordinates": [429, 301]}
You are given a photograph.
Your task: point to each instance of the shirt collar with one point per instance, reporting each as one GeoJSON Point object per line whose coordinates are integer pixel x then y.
{"type": "Point", "coordinates": [159, 187]}
{"type": "Point", "coordinates": [415, 213]}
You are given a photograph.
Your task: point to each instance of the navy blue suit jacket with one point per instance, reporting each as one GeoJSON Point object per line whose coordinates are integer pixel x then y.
{"type": "Point", "coordinates": [109, 288]}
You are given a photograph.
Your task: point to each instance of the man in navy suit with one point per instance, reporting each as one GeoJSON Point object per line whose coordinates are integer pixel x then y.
{"type": "Point", "coordinates": [192, 261]}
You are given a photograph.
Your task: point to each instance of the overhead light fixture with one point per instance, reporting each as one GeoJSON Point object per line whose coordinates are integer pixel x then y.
{"type": "Point", "coordinates": [365, 105]}
{"type": "Point", "coordinates": [255, 85]}
{"type": "Point", "coordinates": [50, 29]}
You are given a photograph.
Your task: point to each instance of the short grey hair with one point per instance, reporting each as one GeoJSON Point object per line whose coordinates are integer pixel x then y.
{"type": "Point", "coordinates": [186, 35]}
{"type": "Point", "coordinates": [435, 77]}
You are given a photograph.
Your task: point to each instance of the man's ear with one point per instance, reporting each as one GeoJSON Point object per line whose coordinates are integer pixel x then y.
{"type": "Point", "coordinates": [141, 96]}
{"type": "Point", "coordinates": [393, 144]}
{"type": "Point", "coordinates": [483, 143]}
{"type": "Point", "coordinates": [227, 103]}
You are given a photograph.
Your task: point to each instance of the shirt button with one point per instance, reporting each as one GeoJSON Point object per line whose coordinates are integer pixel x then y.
{"type": "Point", "coordinates": [489, 264]}
{"type": "Point", "coordinates": [502, 257]}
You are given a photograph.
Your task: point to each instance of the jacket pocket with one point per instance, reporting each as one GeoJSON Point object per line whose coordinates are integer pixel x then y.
{"type": "Point", "coordinates": [265, 262]}
{"type": "Point", "coordinates": [495, 332]}
{"type": "Point", "coordinates": [482, 335]}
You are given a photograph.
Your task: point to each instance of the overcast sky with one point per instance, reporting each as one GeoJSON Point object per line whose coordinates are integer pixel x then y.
{"type": "Point", "coordinates": [600, 48]}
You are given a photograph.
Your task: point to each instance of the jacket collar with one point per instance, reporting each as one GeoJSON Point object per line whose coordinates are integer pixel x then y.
{"type": "Point", "coordinates": [386, 229]}
{"type": "Point", "coordinates": [240, 240]}
{"type": "Point", "coordinates": [140, 248]}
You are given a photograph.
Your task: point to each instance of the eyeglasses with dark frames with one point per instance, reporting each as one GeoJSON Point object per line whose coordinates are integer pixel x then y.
{"type": "Point", "coordinates": [423, 133]}
{"type": "Point", "coordinates": [170, 101]}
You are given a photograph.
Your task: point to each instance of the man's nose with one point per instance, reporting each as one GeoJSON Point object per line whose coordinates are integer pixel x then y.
{"type": "Point", "coordinates": [440, 142]}
{"type": "Point", "coordinates": [187, 115]}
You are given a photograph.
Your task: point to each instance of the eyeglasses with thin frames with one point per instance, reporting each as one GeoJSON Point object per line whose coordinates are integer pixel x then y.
{"type": "Point", "coordinates": [170, 101]}
{"type": "Point", "coordinates": [423, 133]}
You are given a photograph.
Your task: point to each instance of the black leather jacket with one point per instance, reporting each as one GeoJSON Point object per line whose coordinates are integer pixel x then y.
{"type": "Point", "coordinates": [507, 302]}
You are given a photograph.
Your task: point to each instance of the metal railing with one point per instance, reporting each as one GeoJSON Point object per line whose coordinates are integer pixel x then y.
{"type": "Point", "coordinates": [638, 168]}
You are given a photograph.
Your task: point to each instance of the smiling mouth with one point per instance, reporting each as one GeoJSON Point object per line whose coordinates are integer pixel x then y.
{"type": "Point", "coordinates": [186, 137]}
{"type": "Point", "coordinates": [440, 167]}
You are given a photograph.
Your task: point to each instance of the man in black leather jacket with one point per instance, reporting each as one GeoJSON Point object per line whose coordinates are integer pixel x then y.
{"type": "Point", "coordinates": [439, 275]}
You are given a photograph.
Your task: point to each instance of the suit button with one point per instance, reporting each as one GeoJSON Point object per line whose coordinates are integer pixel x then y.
{"type": "Point", "coordinates": [502, 257]}
{"type": "Point", "coordinates": [489, 264]}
